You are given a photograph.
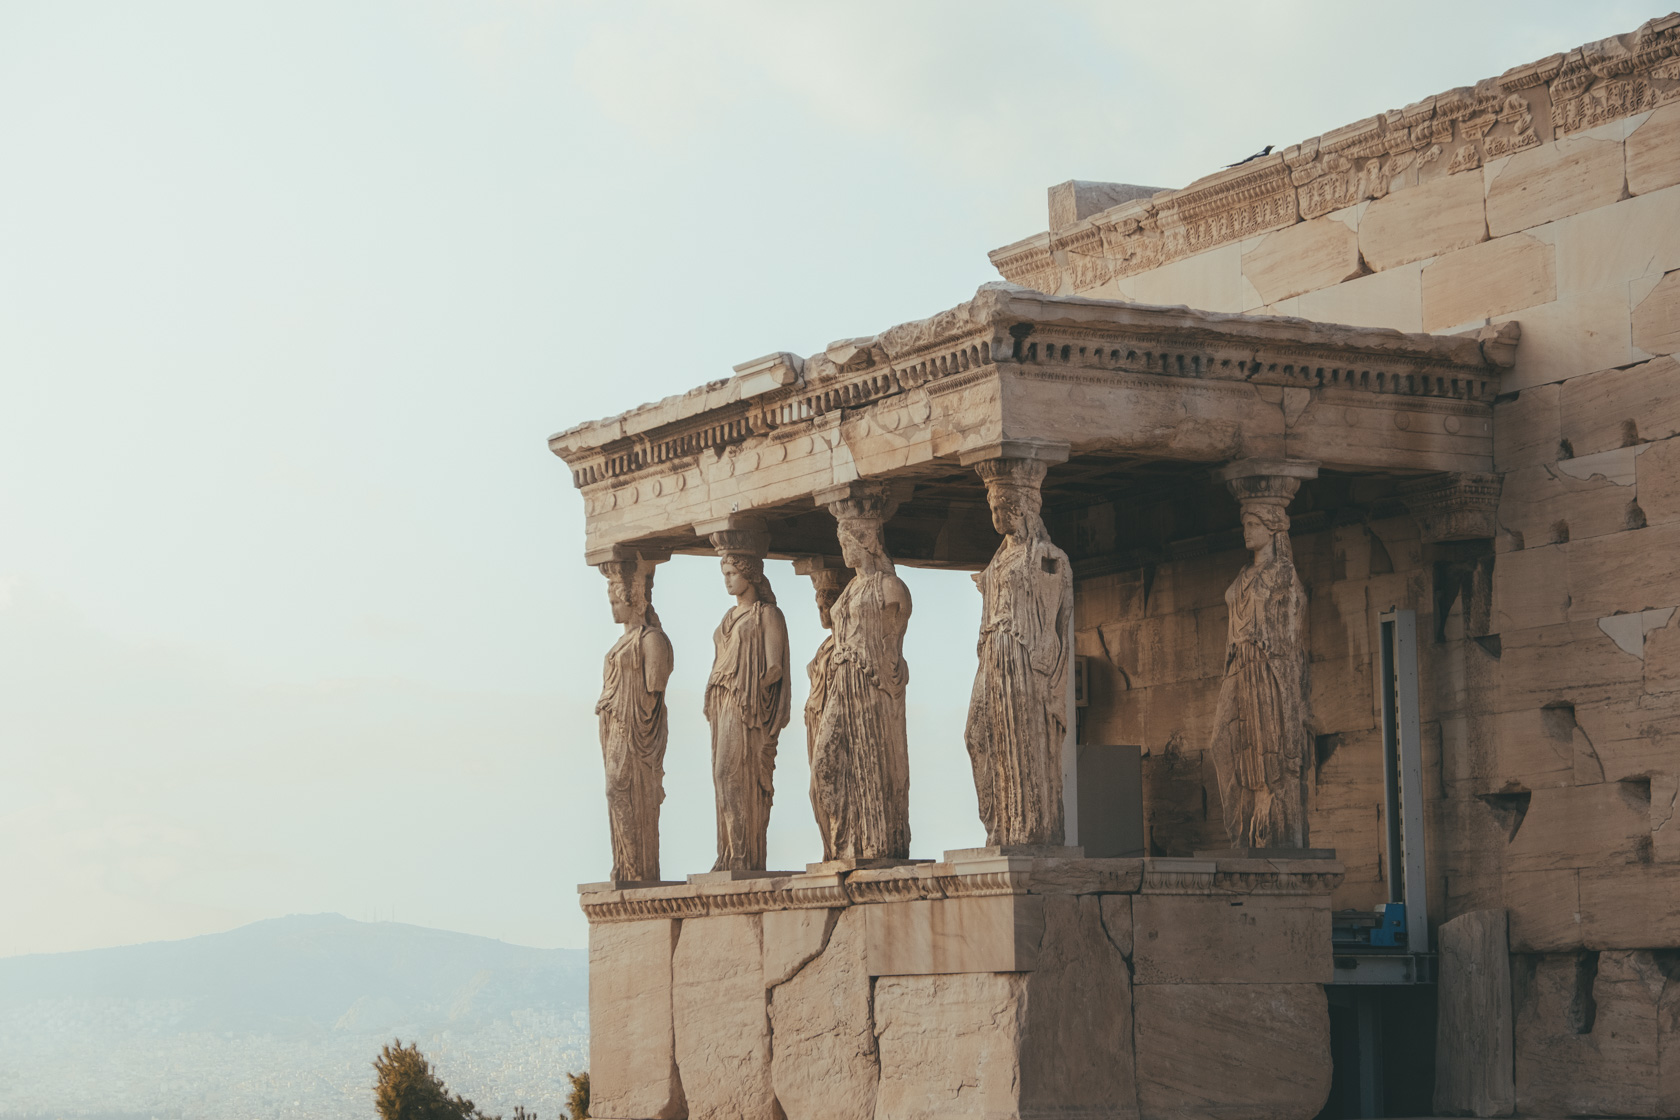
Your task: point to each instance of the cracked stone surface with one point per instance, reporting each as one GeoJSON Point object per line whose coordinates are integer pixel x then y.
{"type": "Point", "coordinates": [823, 1059]}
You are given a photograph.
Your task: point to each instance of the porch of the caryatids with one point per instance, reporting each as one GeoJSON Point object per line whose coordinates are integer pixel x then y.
{"type": "Point", "coordinates": [632, 718]}
{"type": "Point", "coordinates": [1261, 744]}
{"type": "Point", "coordinates": [860, 761]}
{"type": "Point", "coordinates": [748, 698]}
{"type": "Point", "coordinates": [1018, 714]}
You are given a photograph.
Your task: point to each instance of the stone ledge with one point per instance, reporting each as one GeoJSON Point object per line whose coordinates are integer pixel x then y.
{"type": "Point", "coordinates": [1012, 875]}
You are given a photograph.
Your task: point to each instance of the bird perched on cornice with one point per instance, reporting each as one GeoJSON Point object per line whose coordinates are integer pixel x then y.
{"type": "Point", "coordinates": [1266, 151]}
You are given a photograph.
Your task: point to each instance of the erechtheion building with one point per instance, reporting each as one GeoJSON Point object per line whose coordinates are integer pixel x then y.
{"type": "Point", "coordinates": [1337, 494]}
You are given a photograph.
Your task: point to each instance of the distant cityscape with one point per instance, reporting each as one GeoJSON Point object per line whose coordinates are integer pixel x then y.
{"type": "Point", "coordinates": [283, 1019]}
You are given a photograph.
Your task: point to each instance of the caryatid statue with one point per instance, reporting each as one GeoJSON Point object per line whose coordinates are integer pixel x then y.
{"type": "Point", "coordinates": [860, 761]}
{"type": "Point", "coordinates": [632, 716]}
{"type": "Point", "coordinates": [1261, 744]}
{"type": "Point", "coordinates": [1017, 717]}
{"type": "Point", "coordinates": [828, 579]}
{"type": "Point", "coordinates": [748, 700]}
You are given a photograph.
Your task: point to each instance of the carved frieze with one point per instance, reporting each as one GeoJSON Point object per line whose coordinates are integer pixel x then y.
{"type": "Point", "coordinates": [1451, 133]}
{"type": "Point", "coordinates": [1342, 168]}
{"type": "Point", "coordinates": [1618, 77]}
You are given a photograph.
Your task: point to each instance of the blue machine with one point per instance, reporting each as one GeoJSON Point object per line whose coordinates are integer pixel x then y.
{"type": "Point", "coordinates": [1391, 925]}
{"type": "Point", "coordinates": [1383, 928]}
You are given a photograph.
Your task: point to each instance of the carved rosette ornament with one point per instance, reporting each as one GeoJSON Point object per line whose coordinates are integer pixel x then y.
{"type": "Point", "coordinates": [1017, 716]}
{"type": "Point", "coordinates": [748, 698]}
{"type": "Point", "coordinates": [860, 761]}
{"type": "Point", "coordinates": [632, 718]}
{"type": "Point", "coordinates": [1261, 744]}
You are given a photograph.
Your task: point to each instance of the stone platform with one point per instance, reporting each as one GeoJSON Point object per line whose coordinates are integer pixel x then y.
{"type": "Point", "coordinates": [987, 986]}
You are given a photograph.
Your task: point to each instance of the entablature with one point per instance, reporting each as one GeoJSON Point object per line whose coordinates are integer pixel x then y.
{"type": "Point", "coordinates": [1116, 381]}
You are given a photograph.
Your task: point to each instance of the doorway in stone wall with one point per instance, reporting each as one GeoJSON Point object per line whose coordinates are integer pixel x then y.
{"type": "Point", "coordinates": [1382, 1050]}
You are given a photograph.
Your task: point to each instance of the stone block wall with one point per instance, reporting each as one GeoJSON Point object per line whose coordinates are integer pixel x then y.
{"type": "Point", "coordinates": [1549, 197]}
{"type": "Point", "coordinates": [1120, 989]}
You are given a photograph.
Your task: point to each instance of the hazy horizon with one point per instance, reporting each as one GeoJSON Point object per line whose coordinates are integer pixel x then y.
{"type": "Point", "coordinates": [282, 1018]}
{"type": "Point", "coordinates": [293, 611]}
{"type": "Point", "coordinates": [279, 918]}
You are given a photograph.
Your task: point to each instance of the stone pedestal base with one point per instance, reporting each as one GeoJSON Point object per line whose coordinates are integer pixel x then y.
{"type": "Point", "coordinates": [1013, 851]}
{"type": "Point", "coordinates": [829, 867]}
{"type": "Point", "coordinates": [701, 878]}
{"type": "Point", "coordinates": [626, 885]}
{"type": "Point", "coordinates": [1268, 853]}
{"type": "Point", "coordinates": [1007, 988]}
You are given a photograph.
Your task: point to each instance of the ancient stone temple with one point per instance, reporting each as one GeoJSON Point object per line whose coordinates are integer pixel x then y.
{"type": "Point", "coordinates": [1338, 495]}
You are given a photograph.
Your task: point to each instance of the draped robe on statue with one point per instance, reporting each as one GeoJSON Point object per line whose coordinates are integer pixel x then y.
{"type": "Point", "coordinates": [633, 746]}
{"type": "Point", "coordinates": [820, 669]}
{"type": "Point", "coordinates": [860, 764]}
{"type": "Point", "coordinates": [747, 713]}
{"type": "Point", "coordinates": [1017, 717]}
{"type": "Point", "coordinates": [1260, 735]}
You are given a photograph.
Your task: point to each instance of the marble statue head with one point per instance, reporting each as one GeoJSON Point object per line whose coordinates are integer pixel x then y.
{"type": "Point", "coordinates": [829, 583]}
{"type": "Point", "coordinates": [1263, 524]}
{"type": "Point", "coordinates": [744, 578]}
{"type": "Point", "coordinates": [859, 520]}
{"type": "Point", "coordinates": [630, 591]}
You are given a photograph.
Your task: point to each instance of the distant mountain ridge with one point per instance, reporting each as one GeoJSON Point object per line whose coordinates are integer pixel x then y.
{"type": "Point", "coordinates": [305, 972]}
{"type": "Point", "coordinates": [282, 1017]}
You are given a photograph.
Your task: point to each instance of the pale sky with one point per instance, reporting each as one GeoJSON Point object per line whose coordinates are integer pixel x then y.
{"type": "Point", "coordinates": [293, 609]}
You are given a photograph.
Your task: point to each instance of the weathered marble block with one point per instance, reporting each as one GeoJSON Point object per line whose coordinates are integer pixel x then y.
{"type": "Point", "coordinates": [1595, 1034]}
{"type": "Point", "coordinates": [824, 1065]}
{"type": "Point", "coordinates": [632, 1059]}
{"type": "Point", "coordinates": [1077, 1057]}
{"type": "Point", "coordinates": [720, 1015]}
{"type": "Point", "coordinates": [1196, 939]}
{"type": "Point", "coordinates": [950, 1045]}
{"type": "Point", "coordinates": [1232, 1051]}
{"type": "Point", "coordinates": [996, 934]}
{"type": "Point", "coordinates": [1473, 1071]}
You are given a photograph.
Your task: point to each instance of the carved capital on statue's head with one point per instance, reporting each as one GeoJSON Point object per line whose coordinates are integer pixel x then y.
{"type": "Point", "coordinates": [1044, 450]}
{"type": "Point", "coordinates": [630, 587]}
{"type": "Point", "coordinates": [1454, 507]}
{"type": "Point", "coordinates": [877, 499]}
{"type": "Point", "coordinates": [829, 577]}
{"type": "Point", "coordinates": [1263, 489]}
{"type": "Point", "coordinates": [1014, 490]}
{"type": "Point", "coordinates": [1265, 481]}
{"type": "Point", "coordinates": [820, 567]}
{"type": "Point", "coordinates": [869, 501]}
{"type": "Point", "coordinates": [1026, 473]}
{"type": "Point", "coordinates": [737, 534]}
